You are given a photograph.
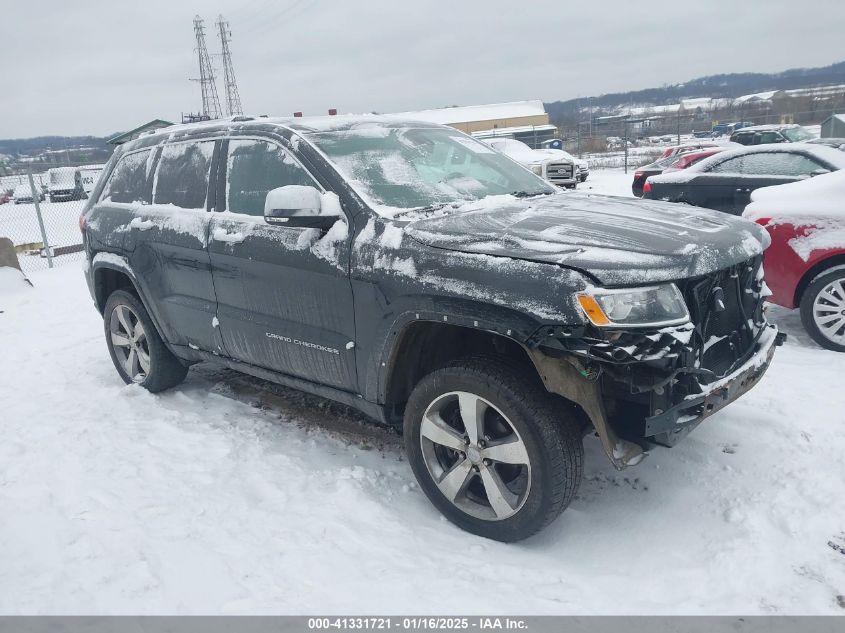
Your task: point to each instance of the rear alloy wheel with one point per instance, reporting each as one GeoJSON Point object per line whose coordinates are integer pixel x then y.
{"type": "Point", "coordinates": [138, 353]}
{"type": "Point", "coordinates": [823, 310]}
{"type": "Point", "coordinates": [129, 340]}
{"type": "Point", "coordinates": [491, 449]}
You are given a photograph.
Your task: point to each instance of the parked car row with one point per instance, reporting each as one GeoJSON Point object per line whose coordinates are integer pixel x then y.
{"type": "Point", "coordinates": [725, 181]}
{"type": "Point", "coordinates": [797, 192]}
{"type": "Point", "coordinates": [672, 162]}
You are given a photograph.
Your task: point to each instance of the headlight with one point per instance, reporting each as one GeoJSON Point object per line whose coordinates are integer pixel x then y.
{"type": "Point", "coordinates": [638, 307]}
{"type": "Point", "coordinates": [537, 169]}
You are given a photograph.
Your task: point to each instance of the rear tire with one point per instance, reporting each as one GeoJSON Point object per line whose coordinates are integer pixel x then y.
{"type": "Point", "coordinates": [823, 310]}
{"type": "Point", "coordinates": [515, 472]}
{"type": "Point", "coordinates": [135, 347]}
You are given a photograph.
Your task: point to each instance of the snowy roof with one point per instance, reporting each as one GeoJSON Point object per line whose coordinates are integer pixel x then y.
{"type": "Point", "coordinates": [758, 96]}
{"type": "Point", "coordinates": [489, 112]}
{"type": "Point", "coordinates": [505, 131]}
{"type": "Point", "coordinates": [821, 195]}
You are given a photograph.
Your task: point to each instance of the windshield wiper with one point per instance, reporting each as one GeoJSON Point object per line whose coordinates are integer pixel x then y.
{"type": "Point", "coordinates": [529, 194]}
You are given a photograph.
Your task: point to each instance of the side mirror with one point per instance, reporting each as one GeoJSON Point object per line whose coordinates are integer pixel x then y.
{"type": "Point", "coordinates": [819, 172]}
{"type": "Point", "coordinates": [297, 206]}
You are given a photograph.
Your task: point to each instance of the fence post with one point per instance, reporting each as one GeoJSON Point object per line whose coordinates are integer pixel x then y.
{"type": "Point", "coordinates": [625, 143]}
{"type": "Point", "coordinates": [36, 198]}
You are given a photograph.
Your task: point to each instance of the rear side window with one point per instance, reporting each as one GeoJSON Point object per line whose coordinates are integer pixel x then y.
{"type": "Point", "coordinates": [779, 164]}
{"type": "Point", "coordinates": [129, 179]}
{"type": "Point", "coordinates": [182, 175]}
{"type": "Point", "coordinates": [254, 168]}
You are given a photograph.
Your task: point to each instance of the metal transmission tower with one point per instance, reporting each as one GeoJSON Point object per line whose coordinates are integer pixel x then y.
{"type": "Point", "coordinates": [233, 97]}
{"type": "Point", "coordinates": [210, 101]}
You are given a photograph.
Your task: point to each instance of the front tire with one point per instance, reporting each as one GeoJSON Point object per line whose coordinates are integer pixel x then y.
{"type": "Point", "coordinates": [135, 347]}
{"type": "Point", "coordinates": [823, 310]}
{"type": "Point", "coordinates": [491, 450]}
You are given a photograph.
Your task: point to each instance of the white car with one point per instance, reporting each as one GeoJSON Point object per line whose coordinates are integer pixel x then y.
{"type": "Point", "coordinates": [553, 165]}
{"type": "Point", "coordinates": [23, 193]}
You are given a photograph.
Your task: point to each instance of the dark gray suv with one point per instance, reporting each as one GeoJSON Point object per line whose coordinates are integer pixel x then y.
{"type": "Point", "coordinates": [416, 274]}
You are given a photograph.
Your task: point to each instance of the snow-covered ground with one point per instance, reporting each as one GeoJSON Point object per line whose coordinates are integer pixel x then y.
{"type": "Point", "coordinates": [231, 495]}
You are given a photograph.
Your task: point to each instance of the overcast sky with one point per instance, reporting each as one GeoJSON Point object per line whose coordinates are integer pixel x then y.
{"type": "Point", "coordinates": [74, 68]}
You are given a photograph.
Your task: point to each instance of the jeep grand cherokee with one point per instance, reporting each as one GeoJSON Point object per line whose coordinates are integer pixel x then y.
{"type": "Point", "coordinates": [416, 274]}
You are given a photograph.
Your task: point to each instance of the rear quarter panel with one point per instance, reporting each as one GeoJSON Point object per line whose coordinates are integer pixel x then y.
{"type": "Point", "coordinates": [799, 247]}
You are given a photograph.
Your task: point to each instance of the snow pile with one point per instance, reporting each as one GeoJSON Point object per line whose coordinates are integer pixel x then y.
{"type": "Point", "coordinates": [11, 281]}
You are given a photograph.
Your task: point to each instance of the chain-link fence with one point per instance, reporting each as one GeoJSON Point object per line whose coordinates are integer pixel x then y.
{"type": "Point", "coordinates": [39, 212]}
{"type": "Point", "coordinates": [603, 138]}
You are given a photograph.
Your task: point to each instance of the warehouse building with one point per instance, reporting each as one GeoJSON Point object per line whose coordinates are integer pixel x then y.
{"type": "Point", "coordinates": [526, 121]}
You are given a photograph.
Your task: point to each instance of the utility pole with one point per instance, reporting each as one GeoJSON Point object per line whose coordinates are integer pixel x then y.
{"type": "Point", "coordinates": [233, 97]}
{"type": "Point", "coordinates": [210, 101]}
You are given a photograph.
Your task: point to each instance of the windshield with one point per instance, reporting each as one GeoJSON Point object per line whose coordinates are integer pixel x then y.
{"type": "Point", "coordinates": [796, 134]}
{"type": "Point", "coordinates": [401, 168]}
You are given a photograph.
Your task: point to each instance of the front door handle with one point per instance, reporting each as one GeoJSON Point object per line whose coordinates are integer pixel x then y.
{"type": "Point", "coordinates": [222, 235]}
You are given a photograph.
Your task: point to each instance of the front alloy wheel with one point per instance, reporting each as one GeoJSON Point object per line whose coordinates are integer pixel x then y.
{"type": "Point", "coordinates": [475, 456]}
{"type": "Point", "coordinates": [491, 449]}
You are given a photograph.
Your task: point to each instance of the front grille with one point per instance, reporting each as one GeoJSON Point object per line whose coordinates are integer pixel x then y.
{"type": "Point", "coordinates": [559, 172]}
{"type": "Point", "coordinates": [726, 308]}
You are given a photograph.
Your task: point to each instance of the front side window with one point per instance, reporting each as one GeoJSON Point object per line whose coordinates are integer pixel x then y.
{"type": "Point", "coordinates": [398, 168]}
{"type": "Point", "coordinates": [129, 179]}
{"type": "Point", "coordinates": [253, 169]}
{"type": "Point", "coordinates": [730, 166]}
{"type": "Point", "coordinates": [182, 175]}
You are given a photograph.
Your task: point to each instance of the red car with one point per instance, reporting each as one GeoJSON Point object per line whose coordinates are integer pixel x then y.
{"type": "Point", "coordinates": [691, 147]}
{"type": "Point", "coordinates": [690, 158]}
{"type": "Point", "coordinates": [805, 264]}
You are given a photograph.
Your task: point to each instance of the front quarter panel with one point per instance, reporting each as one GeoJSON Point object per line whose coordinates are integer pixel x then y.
{"type": "Point", "coordinates": [397, 281]}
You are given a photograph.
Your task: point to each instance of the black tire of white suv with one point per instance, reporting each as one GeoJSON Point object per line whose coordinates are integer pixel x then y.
{"type": "Point", "coordinates": [821, 303]}
{"type": "Point", "coordinates": [135, 347]}
{"type": "Point", "coordinates": [515, 471]}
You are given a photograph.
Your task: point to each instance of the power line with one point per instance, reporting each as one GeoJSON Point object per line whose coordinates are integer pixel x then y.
{"type": "Point", "coordinates": [208, 86]}
{"type": "Point", "coordinates": [233, 97]}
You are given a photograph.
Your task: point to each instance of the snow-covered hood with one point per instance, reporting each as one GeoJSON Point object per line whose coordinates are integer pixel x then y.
{"type": "Point", "coordinates": [618, 241]}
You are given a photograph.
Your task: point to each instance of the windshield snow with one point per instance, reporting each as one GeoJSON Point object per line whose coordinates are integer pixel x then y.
{"type": "Point", "coordinates": [402, 168]}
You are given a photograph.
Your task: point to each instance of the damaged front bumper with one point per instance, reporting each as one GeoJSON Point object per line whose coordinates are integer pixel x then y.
{"type": "Point", "coordinates": [631, 414]}
{"type": "Point", "coordinates": [673, 424]}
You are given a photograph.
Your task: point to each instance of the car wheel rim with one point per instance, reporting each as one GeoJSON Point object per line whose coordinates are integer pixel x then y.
{"type": "Point", "coordinates": [129, 342]}
{"type": "Point", "coordinates": [475, 456]}
{"type": "Point", "coordinates": [829, 311]}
